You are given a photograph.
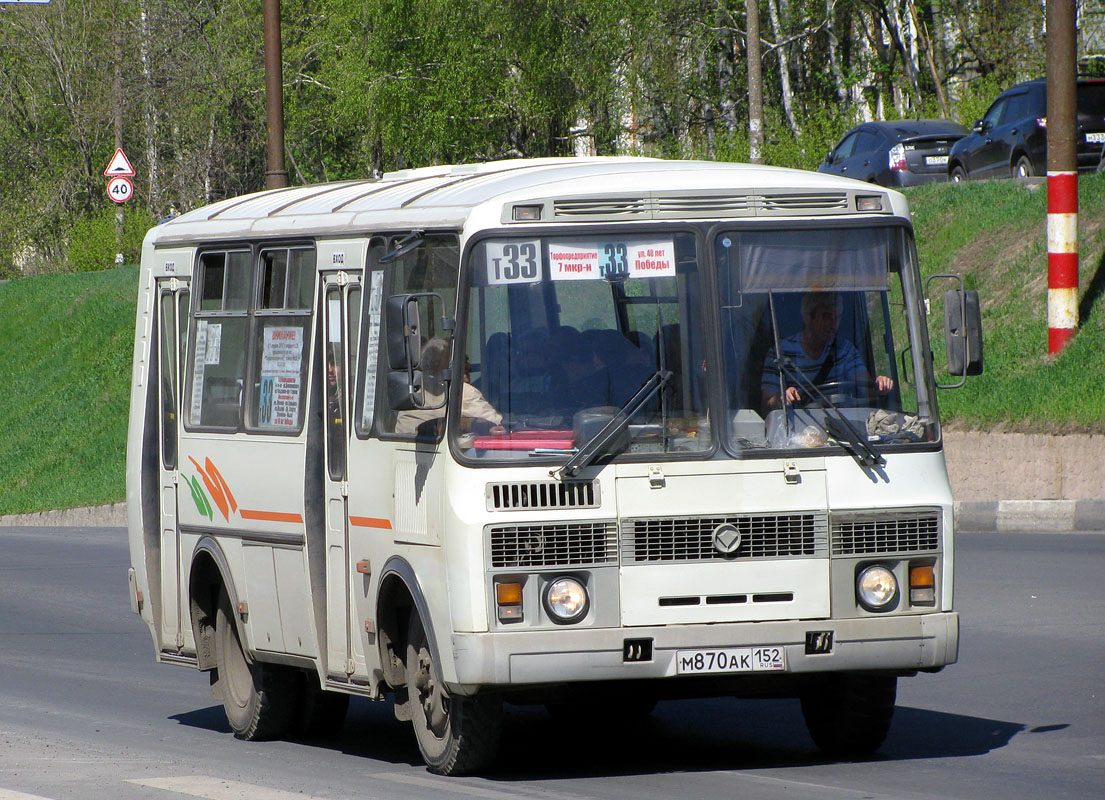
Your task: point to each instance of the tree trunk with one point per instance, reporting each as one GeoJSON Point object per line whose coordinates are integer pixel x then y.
{"type": "Point", "coordinates": [755, 84]}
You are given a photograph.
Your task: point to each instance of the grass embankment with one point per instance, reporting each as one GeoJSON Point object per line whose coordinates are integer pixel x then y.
{"type": "Point", "coordinates": [995, 235]}
{"type": "Point", "coordinates": [66, 344]}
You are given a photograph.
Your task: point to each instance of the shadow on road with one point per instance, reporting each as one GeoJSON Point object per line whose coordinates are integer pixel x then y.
{"type": "Point", "coordinates": [680, 736]}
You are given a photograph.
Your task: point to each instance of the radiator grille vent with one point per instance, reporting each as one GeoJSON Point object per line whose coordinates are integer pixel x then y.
{"type": "Point", "coordinates": [564, 544]}
{"type": "Point", "coordinates": [806, 202]}
{"type": "Point", "coordinates": [541, 495]}
{"type": "Point", "coordinates": [692, 538]}
{"type": "Point", "coordinates": [864, 534]}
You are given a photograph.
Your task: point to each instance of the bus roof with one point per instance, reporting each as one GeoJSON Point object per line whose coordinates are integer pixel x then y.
{"type": "Point", "coordinates": [568, 189]}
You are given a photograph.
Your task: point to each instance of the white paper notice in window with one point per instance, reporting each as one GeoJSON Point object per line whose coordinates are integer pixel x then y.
{"type": "Point", "coordinates": [281, 362]}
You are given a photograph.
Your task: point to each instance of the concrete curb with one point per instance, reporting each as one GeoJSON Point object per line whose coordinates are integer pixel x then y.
{"type": "Point", "coordinates": [1036, 516]}
{"type": "Point", "coordinates": [995, 516]}
{"type": "Point", "coordinates": [112, 516]}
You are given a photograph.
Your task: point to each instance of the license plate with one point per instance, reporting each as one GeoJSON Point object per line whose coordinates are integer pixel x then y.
{"type": "Point", "coordinates": [729, 660]}
{"type": "Point", "coordinates": [1095, 138]}
{"type": "Point", "coordinates": [934, 161]}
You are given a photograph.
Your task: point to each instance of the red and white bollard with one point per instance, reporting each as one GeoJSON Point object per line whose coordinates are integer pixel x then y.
{"type": "Point", "coordinates": [1062, 259]}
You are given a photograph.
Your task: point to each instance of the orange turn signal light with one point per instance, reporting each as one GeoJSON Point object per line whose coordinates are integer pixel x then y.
{"type": "Point", "coordinates": [508, 594]}
{"type": "Point", "coordinates": [922, 585]}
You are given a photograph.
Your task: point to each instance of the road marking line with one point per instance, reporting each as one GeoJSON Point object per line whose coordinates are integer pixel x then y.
{"type": "Point", "coordinates": [453, 785]}
{"type": "Point", "coordinates": [7, 794]}
{"type": "Point", "coordinates": [217, 788]}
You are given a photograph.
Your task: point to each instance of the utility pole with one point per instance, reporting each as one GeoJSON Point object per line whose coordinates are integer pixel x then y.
{"type": "Point", "coordinates": [117, 100]}
{"type": "Point", "coordinates": [755, 83]}
{"type": "Point", "coordinates": [276, 176]}
{"type": "Point", "coordinates": [1062, 176]}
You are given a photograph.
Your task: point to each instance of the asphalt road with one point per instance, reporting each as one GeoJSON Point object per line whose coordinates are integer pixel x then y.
{"type": "Point", "coordinates": [86, 713]}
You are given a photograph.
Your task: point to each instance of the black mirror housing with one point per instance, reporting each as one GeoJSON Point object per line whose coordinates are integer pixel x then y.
{"type": "Point", "coordinates": [404, 332]}
{"type": "Point", "coordinates": [963, 332]}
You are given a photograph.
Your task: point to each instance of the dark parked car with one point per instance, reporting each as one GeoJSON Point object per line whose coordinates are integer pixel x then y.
{"type": "Point", "coordinates": [906, 152]}
{"type": "Point", "coordinates": [1011, 139]}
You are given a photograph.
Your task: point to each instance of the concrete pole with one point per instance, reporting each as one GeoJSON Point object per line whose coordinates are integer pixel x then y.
{"type": "Point", "coordinates": [1062, 176]}
{"type": "Point", "coordinates": [755, 83]}
{"type": "Point", "coordinates": [276, 176]}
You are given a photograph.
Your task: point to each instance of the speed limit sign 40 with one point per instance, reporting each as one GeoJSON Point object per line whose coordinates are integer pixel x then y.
{"type": "Point", "coordinates": [120, 189]}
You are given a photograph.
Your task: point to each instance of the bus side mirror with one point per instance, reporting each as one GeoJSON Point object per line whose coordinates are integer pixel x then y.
{"type": "Point", "coordinates": [404, 332]}
{"type": "Point", "coordinates": [406, 382]}
{"type": "Point", "coordinates": [963, 332]}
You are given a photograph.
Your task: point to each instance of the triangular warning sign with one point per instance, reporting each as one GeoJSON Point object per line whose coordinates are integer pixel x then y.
{"type": "Point", "coordinates": [119, 165]}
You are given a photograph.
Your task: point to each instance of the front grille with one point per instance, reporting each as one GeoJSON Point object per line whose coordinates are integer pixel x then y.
{"type": "Point", "coordinates": [554, 544]}
{"type": "Point", "coordinates": [541, 495]}
{"type": "Point", "coordinates": [692, 538]}
{"type": "Point", "coordinates": [868, 534]}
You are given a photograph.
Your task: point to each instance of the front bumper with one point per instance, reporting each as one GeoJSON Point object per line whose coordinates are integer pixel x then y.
{"type": "Point", "coordinates": [508, 659]}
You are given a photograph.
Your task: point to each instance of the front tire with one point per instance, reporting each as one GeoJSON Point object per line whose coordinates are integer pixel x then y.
{"type": "Point", "coordinates": [260, 699]}
{"type": "Point", "coordinates": [456, 735]}
{"type": "Point", "coordinates": [958, 174]}
{"type": "Point", "coordinates": [849, 715]}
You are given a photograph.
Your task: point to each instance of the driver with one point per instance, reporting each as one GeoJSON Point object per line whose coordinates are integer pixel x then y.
{"type": "Point", "coordinates": [818, 354]}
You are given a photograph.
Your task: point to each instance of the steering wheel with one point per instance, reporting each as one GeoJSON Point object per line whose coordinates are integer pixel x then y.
{"type": "Point", "coordinates": [835, 391]}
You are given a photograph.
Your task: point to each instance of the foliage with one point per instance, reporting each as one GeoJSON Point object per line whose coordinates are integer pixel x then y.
{"type": "Point", "coordinates": [375, 85]}
{"type": "Point", "coordinates": [92, 240]}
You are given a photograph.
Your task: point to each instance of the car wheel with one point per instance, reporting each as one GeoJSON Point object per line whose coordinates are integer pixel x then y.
{"type": "Point", "coordinates": [958, 174]}
{"type": "Point", "coordinates": [1023, 168]}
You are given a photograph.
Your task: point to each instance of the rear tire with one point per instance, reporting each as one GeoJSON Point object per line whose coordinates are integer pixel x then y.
{"type": "Point", "coordinates": [456, 735]}
{"type": "Point", "coordinates": [1023, 168]}
{"type": "Point", "coordinates": [849, 715]}
{"type": "Point", "coordinates": [259, 699]}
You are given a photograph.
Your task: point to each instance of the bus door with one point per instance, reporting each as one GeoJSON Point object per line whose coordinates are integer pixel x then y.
{"type": "Point", "coordinates": [341, 306]}
{"type": "Point", "coordinates": [172, 330]}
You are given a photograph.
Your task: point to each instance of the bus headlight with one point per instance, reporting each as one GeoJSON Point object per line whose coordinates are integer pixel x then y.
{"type": "Point", "coordinates": [565, 600]}
{"type": "Point", "coordinates": [876, 587]}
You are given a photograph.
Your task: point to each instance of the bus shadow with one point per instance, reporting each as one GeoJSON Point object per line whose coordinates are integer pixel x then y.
{"type": "Point", "coordinates": [725, 734]}
{"type": "Point", "coordinates": [721, 734]}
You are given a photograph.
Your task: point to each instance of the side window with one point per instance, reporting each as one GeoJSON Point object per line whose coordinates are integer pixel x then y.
{"type": "Point", "coordinates": [431, 267]}
{"type": "Point", "coordinates": [847, 147]}
{"type": "Point", "coordinates": [1016, 109]}
{"type": "Point", "coordinates": [994, 114]}
{"type": "Point", "coordinates": [281, 339]}
{"type": "Point", "coordinates": [217, 350]}
{"type": "Point", "coordinates": [865, 142]}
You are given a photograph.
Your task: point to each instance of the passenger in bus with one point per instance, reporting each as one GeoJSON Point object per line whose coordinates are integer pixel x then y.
{"type": "Point", "coordinates": [580, 379]}
{"type": "Point", "coordinates": [818, 353]}
{"type": "Point", "coordinates": [476, 413]}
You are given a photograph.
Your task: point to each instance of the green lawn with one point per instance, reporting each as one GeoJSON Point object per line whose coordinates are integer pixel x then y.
{"type": "Point", "coordinates": [66, 344]}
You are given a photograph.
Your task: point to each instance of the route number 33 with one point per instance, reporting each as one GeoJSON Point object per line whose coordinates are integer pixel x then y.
{"type": "Point", "coordinates": [513, 262]}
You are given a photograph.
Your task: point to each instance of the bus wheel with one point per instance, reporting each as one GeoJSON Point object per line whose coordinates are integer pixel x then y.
{"type": "Point", "coordinates": [849, 715]}
{"type": "Point", "coordinates": [456, 735]}
{"type": "Point", "coordinates": [260, 700]}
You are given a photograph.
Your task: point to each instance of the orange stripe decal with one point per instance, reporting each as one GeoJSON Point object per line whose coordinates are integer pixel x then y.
{"type": "Point", "coordinates": [217, 476]}
{"type": "Point", "coordinates": [370, 522]}
{"type": "Point", "coordinates": [270, 516]}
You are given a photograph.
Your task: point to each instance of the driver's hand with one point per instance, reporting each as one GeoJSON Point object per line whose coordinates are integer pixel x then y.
{"type": "Point", "coordinates": [793, 395]}
{"type": "Point", "coordinates": [884, 384]}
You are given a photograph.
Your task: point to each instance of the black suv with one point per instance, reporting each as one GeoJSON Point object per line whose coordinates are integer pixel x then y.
{"type": "Point", "coordinates": [1011, 140]}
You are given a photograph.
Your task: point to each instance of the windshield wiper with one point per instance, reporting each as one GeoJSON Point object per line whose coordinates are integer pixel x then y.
{"type": "Point", "coordinates": [836, 424]}
{"type": "Point", "coordinates": [597, 444]}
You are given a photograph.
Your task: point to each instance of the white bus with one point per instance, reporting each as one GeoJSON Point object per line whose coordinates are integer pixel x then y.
{"type": "Point", "coordinates": [587, 433]}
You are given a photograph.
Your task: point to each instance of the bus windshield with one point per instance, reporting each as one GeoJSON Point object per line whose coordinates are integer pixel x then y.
{"type": "Point", "coordinates": [816, 327]}
{"type": "Point", "coordinates": [562, 332]}
{"type": "Point", "coordinates": [568, 335]}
